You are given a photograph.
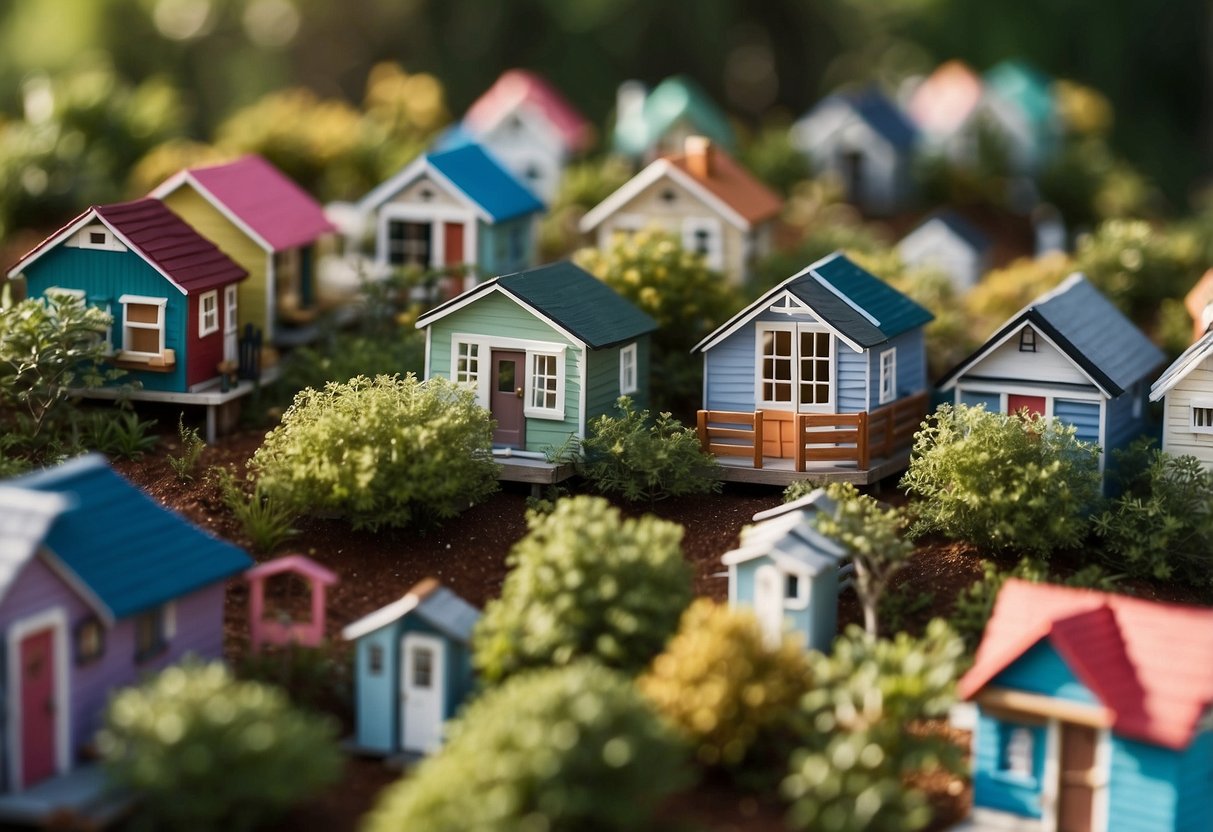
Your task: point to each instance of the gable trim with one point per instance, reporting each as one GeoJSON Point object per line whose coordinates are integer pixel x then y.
{"type": "Point", "coordinates": [483, 291]}
{"type": "Point", "coordinates": [418, 167]}
{"type": "Point", "coordinates": [186, 177]}
{"type": "Point", "coordinates": [1036, 704]}
{"type": "Point", "coordinates": [1182, 367]}
{"type": "Point", "coordinates": [652, 174]}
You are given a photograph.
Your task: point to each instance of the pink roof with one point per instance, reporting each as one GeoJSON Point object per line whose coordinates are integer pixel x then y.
{"type": "Point", "coordinates": [1149, 664]}
{"type": "Point", "coordinates": [944, 100]}
{"type": "Point", "coordinates": [520, 87]}
{"type": "Point", "coordinates": [259, 195]}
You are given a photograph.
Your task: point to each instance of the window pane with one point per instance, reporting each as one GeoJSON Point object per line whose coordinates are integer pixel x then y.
{"type": "Point", "coordinates": [143, 340]}
{"type": "Point", "coordinates": [506, 377]}
{"type": "Point", "coordinates": [783, 393]}
{"type": "Point", "coordinates": [783, 343]}
{"type": "Point", "coordinates": [143, 313]}
{"type": "Point", "coordinates": [423, 667]}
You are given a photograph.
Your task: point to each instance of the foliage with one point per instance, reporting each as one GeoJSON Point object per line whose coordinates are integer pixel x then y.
{"type": "Point", "coordinates": [388, 451]}
{"type": "Point", "coordinates": [585, 582]}
{"type": "Point", "coordinates": [724, 690]}
{"type": "Point", "coordinates": [264, 519]}
{"type": "Point", "coordinates": [902, 605]}
{"type": "Point", "coordinates": [1004, 292]}
{"type": "Point", "coordinates": [341, 356]}
{"type": "Point", "coordinates": [771, 157]}
{"type": "Point", "coordinates": [646, 460]}
{"type": "Point", "coordinates": [192, 447]}
{"type": "Point", "coordinates": [975, 604]}
{"type": "Point", "coordinates": [117, 433]}
{"type": "Point", "coordinates": [863, 734]}
{"type": "Point", "coordinates": [684, 297]}
{"type": "Point", "coordinates": [1088, 183]}
{"type": "Point", "coordinates": [872, 537]}
{"type": "Point", "coordinates": [1137, 265]}
{"type": "Point", "coordinates": [316, 678]}
{"type": "Point", "coordinates": [799, 488]}
{"type": "Point", "coordinates": [1161, 523]}
{"type": "Point", "coordinates": [582, 186]}
{"type": "Point", "coordinates": [1003, 481]}
{"type": "Point", "coordinates": [562, 750]}
{"type": "Point", "coordinates": [205, 751]}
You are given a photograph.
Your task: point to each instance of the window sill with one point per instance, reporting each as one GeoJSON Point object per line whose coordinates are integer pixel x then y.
{"type": "Point", "coordinates": [535, 413]}
{"type": "Point", "coordinates": [162, 363]}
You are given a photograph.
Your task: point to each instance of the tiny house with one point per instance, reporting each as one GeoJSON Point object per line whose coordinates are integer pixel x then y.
{"type": "Point", "coordinates": [652, 123]}
{"type": "Point", "coordinates": [1186, 390]}
{"type": "Point", "coordinates": [826, 374]}
{"type": "Point", "coordinates": [948, 243]}
{"type": "Point", "coordinates": [1093, 713]}
{"type": "Point", "coordinates": [412, 668]}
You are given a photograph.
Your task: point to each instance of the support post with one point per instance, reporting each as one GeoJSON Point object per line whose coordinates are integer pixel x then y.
{"type": "Point", "coordinates": [758, 439]}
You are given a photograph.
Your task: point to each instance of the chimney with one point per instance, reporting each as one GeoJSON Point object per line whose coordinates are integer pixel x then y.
{"type": "Point", "coordinates": [699, 156]}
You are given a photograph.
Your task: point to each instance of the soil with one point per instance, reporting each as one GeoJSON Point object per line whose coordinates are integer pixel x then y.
{"type": "Point", "coordinates": [469, 556]}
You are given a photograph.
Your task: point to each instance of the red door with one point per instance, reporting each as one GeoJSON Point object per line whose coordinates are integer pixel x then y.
{"type": "Point", "coordinates": [1075, 802]}
{"type": "Point", "coordinates": [37, 654]}
{"type": "Point", "coordinates": [452, 243]}
{"type": "Point", "coordinates": [1035, 405]}
{"type": "Point", "coordinates": [506, 402]}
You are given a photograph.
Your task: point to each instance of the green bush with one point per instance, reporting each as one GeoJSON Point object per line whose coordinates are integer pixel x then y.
{"type": "Point", "coordinates": [1003, 481]}
{"type": "Point", "coordinates": [863, 737]}
{"type": "Point", "coordinates": [344, 355]}
{"type": "Point", "coordinates": [724, 690]}
{"type": "Point", "coordinates": [1160, 525]}
{"type": "Point", "coordinates": [585, 582]}
{"type": "Point", "coordinates": [265, 520]}
{"type": "Point", "coordinates": [389, 451]}
{"type": "Point", "coordinates": [647, 460]}
{"type": "Point", "coordinates": [205, 751]}
{"type": "Point", "coordinates": [559, 750]}
{"type": "Point", "coordinates": [1138, 265]}
{"type": "Point", "coordinates": [116, 433]}
{"type": "Point", "coordinates": [192, 447]}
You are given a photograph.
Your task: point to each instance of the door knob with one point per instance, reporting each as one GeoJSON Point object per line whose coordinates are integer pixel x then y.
{"type": "Point", "coordinates": [519, 392]}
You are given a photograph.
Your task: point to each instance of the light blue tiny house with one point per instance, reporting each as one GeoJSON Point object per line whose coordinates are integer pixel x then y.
{"type": "Point", "coordinates": [412, 669]}
{"type": "Point", "coordinates": [1070, 355]}
{"type": "Point", "coordinates": [826, 374]}
{"type": "Point", "coordinates": [1093, 714]}
{"type": "Point", "coordinates": [787, 573]}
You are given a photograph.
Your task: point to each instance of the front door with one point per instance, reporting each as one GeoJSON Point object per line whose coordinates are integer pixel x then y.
{"type": "Point", "coordinates": [422, 691]}
{"type": "Point", "coordinates": [231, 331]}
{"type": "Point", "coordinates": [506, 400]}
{"type": "Point", "coordinates": [1035, 405]}
{"type": "Point", "coordinates": [452, 243]}
{"type": "Point", "coordinates": [1076, 789]}
{"type": "Point", "coordinates": [37, 657]}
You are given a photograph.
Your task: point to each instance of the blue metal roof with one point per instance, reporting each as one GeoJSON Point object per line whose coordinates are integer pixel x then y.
{"type": "Point", "coordinates": [883, 116]}
{"type": "Point", "coordinates": [472, 170]}
{"type": "Point", "coordinates": [128, 552]}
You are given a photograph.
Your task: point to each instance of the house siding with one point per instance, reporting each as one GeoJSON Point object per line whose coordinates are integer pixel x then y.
{"type": "Point", "coordinates": [498, 254]}
{"type": "Point", "coordinates": [1194, 390]}
{"type": "Point", "coordinates": [1041, 670]}
{"type": "Point", "coordinates": [1047, 365]}
{"type": "Point", "coordinates": [1142, 793]}
{"type": "Point", "coordinates": [202, 363]}
{"type": "Point", "coordinates": [1195, 772]}
{"type": "Point", "coordinates": [1122, 426]}
{"type": "Point", "coordinates": [817, 624]}
{"type": "Point", "coordinates": [992, 401]}
{"type": "Point", "coordinates": [935, 246]}
{"type": "Point", "coordinates": [602, 379]}
{"type": "Point", "coordinates": [1002, 791]}
{"type": "Point", "coordinates": [1082, 415]}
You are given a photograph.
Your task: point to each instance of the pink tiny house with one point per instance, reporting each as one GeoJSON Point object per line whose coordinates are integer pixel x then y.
{"type": "Point", "coordinates": [265, 629]}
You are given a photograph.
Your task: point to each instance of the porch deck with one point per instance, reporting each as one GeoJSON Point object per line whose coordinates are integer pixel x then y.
{"type": "Point", "coordinates": [534, 471]}
{"type": "Point", "coordinates": [80, 799]}
{"type": "Point", "coordinates": [775, 471]}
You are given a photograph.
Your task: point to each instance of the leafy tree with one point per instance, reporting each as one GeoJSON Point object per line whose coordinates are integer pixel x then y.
{"type": "Point", "coordinates": [771, 157]}
{"type": "Point", "coordinates": [1003, 481]}
{"type": "Point", "coordinates": [585, 582]}
{"type": "Point", "coordinates": [724, 690]}
{"type": "Point", "coordinates": [562, 750]}
{"type": "Point", "coordinates": [872, 536]}
{"type": "Point", "coordinates": [205, 751]}
{"type": "Point", "coordinates": [1137, 265]}
{"type": "Point", "coordinates": [388, 451]}
{"type": "Point", "coordinates": [863, 735]}
{"type": "Point", "coordinates": [582, 186]}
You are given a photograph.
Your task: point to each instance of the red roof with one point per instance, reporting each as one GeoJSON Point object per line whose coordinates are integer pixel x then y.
{"type": "Point", "coordinates": [733, 185]}
{"type": "Point", "coordinates": [261, 197]}
{"type": "Point", "coordinates": [1149, 664]}
{"type": "Point", "coordinates": [519, 87]}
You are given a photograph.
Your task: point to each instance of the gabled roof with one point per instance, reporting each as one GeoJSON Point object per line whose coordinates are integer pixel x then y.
{"type": "Point", "coordinates": [567, 296]}
{"type": "Point", "coordinates": [869, 105]}
{"type": "Point", "coordinates": [166, 242]}
{"type": "Point", "coordinates": [1088, 328]}
{"type": "Point", "coordinates": [857, 304]}
{"type": "Point", "coordinates": [523, 88]}
{"type": "Point", "coordinates": [114, 545]}
{"type": "Point", "coordinates": [25, 517]}
{"type": "Point", "coordinates": [788, 535]}
{"type": "Point", "coordinates": [970, 234]}
{"type": "Point", "coordinates": [428, 600]}
{"type": "Point", "coordinates": [944, 101]}
{"type": "Point", "coordinates": [675, 99]}
{"type": "Point", "coordinates": [471, 171]}
{"type": "Point", "coordinates": [259, 199]}
{"type": "Point", "coordinates": [1146, 662]}
{"type": "Point", "coordinates": [1191, 358]}
{"type": "Point", "coordinates": [1023, 86]}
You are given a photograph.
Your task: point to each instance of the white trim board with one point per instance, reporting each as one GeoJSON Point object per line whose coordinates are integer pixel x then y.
{"type": "Point", "coordinates": [649, 176]}
{"type": "Point", "coordinates": [411, 172]}
{"type": "Point", "coordinates": [991, 346]}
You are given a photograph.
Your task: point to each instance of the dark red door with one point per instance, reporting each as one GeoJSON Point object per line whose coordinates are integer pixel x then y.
{"type": "Point", "coordinates": [1035, 405]}
{"type": "Point", "coordinates": [1076, 799]}
{"type": "Point", "coordinates": [506, 401]}
{"type": "Point", "coordinates": [37, 706]}
{"type": "Point", "coordinates": [452, 243]}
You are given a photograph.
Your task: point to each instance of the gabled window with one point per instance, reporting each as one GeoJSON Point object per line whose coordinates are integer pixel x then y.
{"type": "Point", "coordinates": [154, 629]}
{"type": "Point", "coordinates": [628, 371]}
{"type": "Point", "coordinates": [96, 236]}
{"type": "Point", "coordinates": [1202, 418]}
{"type": "Point", "coordinates": [888, 375]}
{"type": "Point", "coordinates": [208, 313]}
{"type": "Point", "coordinates": [1027, 339]}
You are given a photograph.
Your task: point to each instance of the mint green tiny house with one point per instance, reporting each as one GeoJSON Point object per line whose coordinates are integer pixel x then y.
{"type": "Point", "coordinates": [546, 350]}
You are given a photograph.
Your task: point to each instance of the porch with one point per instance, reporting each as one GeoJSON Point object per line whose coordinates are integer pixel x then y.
{"type": "Point", "coordinates": [80, 799]}
{"type": "Point", "coordinates": [778, 447]}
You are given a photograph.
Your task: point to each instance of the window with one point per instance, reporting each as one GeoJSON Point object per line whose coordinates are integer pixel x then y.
{"type": "Point", "coordinates": [408, 243]}
{"type": "Point", "coordinates": [426, 194]}
{"type": "Point", "coordinates": [628, 375]}
{"type": "Point", "coordinates": [375, 659]}
{"type": "Point", "coordinates": [815, 362]}
{"type": "Point", "coordinates": [98, 238]}
{"type": "Point", "coordinates": [1027, 339]}
{"type": "Point", "coordinates": [90, 640]}
{"type": "Point", "coordinates": [796, 367]}
{"type": "Point", "coordinates": [1202, 418]}
{"type": "Point", "coordinates": [229, 308]}
{"type": "Point", "coordinates": [467, 363]}
{"type": "Point", "coordinates": [1018, 751]}
{"type": "Point", "coordinates": [152, 633]}
{"type": "Point", "coordinates": [516, 252]}
{"type": "Point", "coordinates": [533, 173]}
{"type": "Point", "coordinates": [702, 235]}
{"type": "Point", "coordinates": [777, 366]}
{"type": "Point", "coordinates": [544, 382]}
{"type": "Point", "coordinates": [668, 196]}
{"type": "Point", "coordinates": [142, 326]}
{"type": "Point", "coordinates": [888, 375]}
{"type": "Point", "coordinates": [208, 313]}
{"type": "Point", "coordinates": [791, 588]}
{"type": "Point", "coordinates": [423, 667]}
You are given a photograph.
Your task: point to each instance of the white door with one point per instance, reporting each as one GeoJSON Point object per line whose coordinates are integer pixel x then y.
{"type": "Point", "coordinates": [768, 603]}
{"type": "Point", "coordinates": [230, 329]}
{"type": "Point", "coordinates": [421, 692]}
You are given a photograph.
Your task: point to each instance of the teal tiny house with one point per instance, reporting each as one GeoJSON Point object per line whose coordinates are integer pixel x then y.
{"type": "Point", "coordinates": [546, 351]}
{"type": "Point", "coordinates": [412, 669]}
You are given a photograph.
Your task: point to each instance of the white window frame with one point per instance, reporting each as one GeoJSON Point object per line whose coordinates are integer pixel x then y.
{"type": "Point", "coordinates": [800, 600]}
{"type": "Point", "coordinates": [1017, 753]}
{"type": "Point", "coordinates": [1199, 406]}
{"type": "Point", "coordinates": [142, 300]}
{"type": "Point", "coordinates": [231, 313]}
{"type": "Point", "coordinates": [472, 377]}
{"type": "Point", "coordinates": [796, 330]}
{"type": "Point", "coordinates": [205, 328]}
{"type": "Point", "coordinates": [531, 349]}
{"type": "Point", "coordinates": [759, 379]}
{"type": "Point", "coordinates": [691, 226]}
{"type": "Point", "coordinates": [629, 370]}
{"type": "Point", "coordinates": [84, 239]}
{"type": "Point", "coordinates": [888, 375]}
{"type": "Point", "coordinates": [530, 409]}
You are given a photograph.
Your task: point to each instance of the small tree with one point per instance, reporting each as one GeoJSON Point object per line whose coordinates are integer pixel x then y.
{"type": "Point", "coordinates": [585, 582]}
{"type": "Point", "coordinates": [562, 750]}
{"type": "Point", "coordinates": [872, 536]}
{"type": "Point", "coordinates": [384, 452]}
{"type": "Point", "coordinates": [1138, 265]}
{"type": "Point", "coordinates": [1003, 481]}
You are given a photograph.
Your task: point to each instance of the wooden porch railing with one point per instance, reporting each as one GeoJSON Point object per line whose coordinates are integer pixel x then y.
{"type": "Point", "coordinates": [737, 441]}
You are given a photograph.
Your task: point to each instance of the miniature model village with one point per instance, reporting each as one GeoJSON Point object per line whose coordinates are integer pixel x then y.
{"type": "Point", "coordinates": [705, 503]}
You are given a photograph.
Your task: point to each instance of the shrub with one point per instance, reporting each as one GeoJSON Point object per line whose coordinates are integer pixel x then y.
{"type": "Point", "coordinates": [720, 686]}
{"type": "Point", "coordinates": [384, 452]}
{"type": "Point", "coordinates": [315, 678]}
{"type": "Point", "coordinates": [585, 582]}
{"type": "Point", "coordinates": [863, 734]}
{"type": "Point", "coordinates": [1137, 265]}
{"type": "Point", "coordinates": [1003, 481]}
{"type": "Point", "coordinates": [265, 521]}
{"type": "Point", "coordinates": [1160, 526]}
{"type": "Point", "coordinates": [192, 447]}
{"type": "Point", "coordinates": [117, 433]}
{"type": "Point", "coordinates": [647, 460]}
{"type": "Point", "coordinates": [205, 751]}
{"type": "Point", "coordinates": [799, 488]}
{"type": "Point", "coordinates": [561, 750]}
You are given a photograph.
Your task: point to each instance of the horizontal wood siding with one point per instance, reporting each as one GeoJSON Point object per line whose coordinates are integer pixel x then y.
{"type": "Point", "coordinates": [992, 401]}
{"type": "Point", "coordinates": [1142, 793]}
{"type": "Point", "coordinates": [1122, 427]}
{"type": "Point", "coordinates": [994, 788]}
{"type": "Point", "coordinates": [1041, 670]}
{"type": "Point", "coordinates": [1083, 416]}
{"type": "Point", "coordinates": [852, 369]}
{"type": "Point", "coordinates": [911, 365]}
{"type": "Point", "coordinates": [730, 369]}
{"type": "Point", "coordinates": [1178, 438]}
{"type": "Point", "coordinates": [602, 382]}
{"type": "Point", "coordinates": [1196, 785]}
{"type": "Point", "coordinates": [1045, 365]}
{"type": "Point", "coordinates": [105, 276]}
